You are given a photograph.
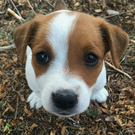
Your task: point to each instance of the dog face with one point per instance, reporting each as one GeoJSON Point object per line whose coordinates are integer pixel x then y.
{"type": "Point", "coordinates": [65, 58]}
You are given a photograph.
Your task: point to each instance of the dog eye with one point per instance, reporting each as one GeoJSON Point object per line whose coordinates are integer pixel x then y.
{"type": "Point", "coordinates": [90, 59]}
{"type": "Point", "coordinates": [42, 57]}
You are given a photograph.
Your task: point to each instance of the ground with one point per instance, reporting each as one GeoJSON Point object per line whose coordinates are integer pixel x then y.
{"type": "Point", "coordinates": [114, 117]}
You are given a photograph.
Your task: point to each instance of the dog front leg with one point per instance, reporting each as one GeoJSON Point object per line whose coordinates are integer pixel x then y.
{"type": "Point", "coordinates": [34, 100]}
{"type": "Point", "coordinates": [101, 96]}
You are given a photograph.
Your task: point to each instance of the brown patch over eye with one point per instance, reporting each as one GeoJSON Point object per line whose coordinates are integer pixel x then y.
{"type": "Point", "coordinates": [42, 57]}
{"type": "Point", "coordinates": [86, 50]}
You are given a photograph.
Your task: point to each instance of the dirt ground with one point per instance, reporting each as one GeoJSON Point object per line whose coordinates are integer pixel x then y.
{"type": "Point", "coordinates": [115, 117]}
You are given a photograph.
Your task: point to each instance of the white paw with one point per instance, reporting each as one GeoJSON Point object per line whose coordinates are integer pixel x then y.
{"type": "Point", "coordinates": [101, 96]}
{"type": "Point", "coordinates": [34, 101]}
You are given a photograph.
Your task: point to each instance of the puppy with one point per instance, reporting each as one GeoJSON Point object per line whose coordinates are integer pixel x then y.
{"type": "Point", "coordinates": [65, 59]}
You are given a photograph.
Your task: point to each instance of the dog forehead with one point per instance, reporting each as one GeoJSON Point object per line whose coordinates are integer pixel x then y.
{"type": "Point", "coordinates": [59, 28]}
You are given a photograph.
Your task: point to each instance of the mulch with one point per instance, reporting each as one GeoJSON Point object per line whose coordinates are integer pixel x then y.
{"type": "Point", "coordinates": [114, 117]}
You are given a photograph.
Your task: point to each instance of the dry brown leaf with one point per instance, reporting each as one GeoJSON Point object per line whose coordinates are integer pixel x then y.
{"type": "Point", "coordinates": [130, 123]}
{"type": "Point", "coordinates": [99, 132]}
{"type": "Point", "coordinates": [14, 122]}
{"type": "Point", "coordinates": [29, 113]}
{"type": "Point", "coordinates": [1, 121]}
{"type": "Point", "coordinates": [6, 110]}
{"type": "Point", "coordinates": [81, 129]}
{"type": "Point", "coordinates": [22, 97]}
{"type": "Point", "coordinates": [1, 73]}
{"type": "Point", "coordinates": [63, 130]}
{"type": "Point", "coordinates": [23, 2]}
{"type": "Point", "coordinates": [105, 105]}
{"type": "Point", "coordinates": [77, 4]}
{"type": "Point", "coordinates": [119, 122]}
{"type": "Point", "coordinates": [52, 132]}
{"type": "Point", "coordinates": [98, 10]}
{"type": "Point", "coordinates": [110, 118]}
{"type": "Point", "coordinates": [21, 118]}
{"type": "Point", "coordinates": [4, 55]}
{"type": "Point", "coordinates": [120, 103]}
{"type": "Point", "coordinates": [33, 126]}
{"type": "Point", "coordinates": [11, 108]}
{"type": "Point", "coordinates": [1, 95]}
{"type": "Point", "coordinates": [4, 43]}
{"type": "Point", "coordinates": [1, 3]}
{"type": "Point", "coordinates": [128, 102]}
{"type": "Point", "coordinates": [2, 88]}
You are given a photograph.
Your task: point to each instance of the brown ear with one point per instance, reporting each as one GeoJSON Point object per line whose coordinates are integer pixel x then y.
{"type": "Point", "coordinates": [23, 36]}
{"type": "Point", "coordinates": [59, 5]}
{"type": "Point", "coordinates": [115, 40]}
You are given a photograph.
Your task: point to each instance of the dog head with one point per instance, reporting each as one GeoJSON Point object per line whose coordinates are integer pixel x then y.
{"type": "Point", "coordinates": [65, 57]}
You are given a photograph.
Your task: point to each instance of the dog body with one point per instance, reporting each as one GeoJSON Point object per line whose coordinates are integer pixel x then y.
{"type": "Point", "coordinates": [65, 59]}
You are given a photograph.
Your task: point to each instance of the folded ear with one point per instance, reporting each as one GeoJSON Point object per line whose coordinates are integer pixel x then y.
{"type": "Point", "coordinates": [115, 40]}
{"type": "Point", "coordinates": [59, 5]}
{"type": "Point", "coordinates": [24, 35]}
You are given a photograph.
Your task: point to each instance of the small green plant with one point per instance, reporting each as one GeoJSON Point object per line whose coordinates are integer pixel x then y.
{"type": "Point", "coordinates": [7, 127]}
{"type": "Point", "coordinates": [10, 38]}
{"type": "Point", "coordinates": [2, 34]}
{"type": "Point", "coordinates": [29, 16]}
{"type": "Point", "coordinates": [92, 112]}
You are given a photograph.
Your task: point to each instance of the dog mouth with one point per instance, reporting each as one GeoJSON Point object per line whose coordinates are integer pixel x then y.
{"type": "Point", "coordinates": [64, 114]}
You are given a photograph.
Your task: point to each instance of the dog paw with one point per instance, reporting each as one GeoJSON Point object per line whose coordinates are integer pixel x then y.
{"type": "Point", "coordinates": [34, 101]}
{"type": "Point", "coordinates": [101, 96]}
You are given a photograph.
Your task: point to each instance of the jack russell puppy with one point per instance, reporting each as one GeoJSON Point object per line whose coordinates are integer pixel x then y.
{"type": "Point", "coordinates": [65, 59]}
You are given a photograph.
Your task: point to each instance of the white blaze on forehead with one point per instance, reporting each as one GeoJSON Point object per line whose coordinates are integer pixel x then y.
{"type": "Point", "coordinates": [59, 29]}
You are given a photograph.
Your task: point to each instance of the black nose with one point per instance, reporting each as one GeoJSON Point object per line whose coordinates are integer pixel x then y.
{"type": "Point", "coordinates": [64, 99]}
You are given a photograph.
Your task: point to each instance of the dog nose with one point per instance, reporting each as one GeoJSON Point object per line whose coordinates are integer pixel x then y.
{"type": "Point", "coordinates": [64, 99]}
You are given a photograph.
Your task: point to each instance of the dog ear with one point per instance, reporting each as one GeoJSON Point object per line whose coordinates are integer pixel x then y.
{"type": "Point", "coordinates": [59, 5]}
{"type": "Point", "coordinates": [23, 36]}
{"type": "Point", "coordinates": [115, 40]}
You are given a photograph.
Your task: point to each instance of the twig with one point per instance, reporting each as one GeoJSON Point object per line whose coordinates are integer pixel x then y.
{"type": "Point", "coordinates": [120, 13]}
{"type": "Point", "coordinates": [49, 4]}
{"type": "Point", "coordinates": [14, 14]}
{"type": "Point", "coordinates": [31, 7]}
{"type": "Point", "coordinates": [16, 109]}
{"type": "Point", "coordinates": [2, 12]}
{"type": "Point", "coordinates": [7, 47]}
{"type": "Point", "coordinates": [133, 41]}
{"type": "Point", "coordinates": [15, 8]}
{"type": "Point", "coordinates": [120, 71]}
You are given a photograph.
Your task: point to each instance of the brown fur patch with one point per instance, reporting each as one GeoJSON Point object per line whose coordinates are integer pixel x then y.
{"type": "Point", "coordinates": [85, 38]}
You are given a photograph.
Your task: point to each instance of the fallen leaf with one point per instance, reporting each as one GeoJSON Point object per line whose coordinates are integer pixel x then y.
{"type": "Point", "coordinates": [14, 122]}
{"type": "Point", "coordinates": [119, 122]}
{"type": "Point", "coordinates": [98, 10]}
{"type": "Point", "coordinates": [63, 130]}
{"type": "Point", "coordinates": [130, 123]}
{"type": "Point", "coordinates": [22, 97]}
{"type": "Point", "coordinates": [99, 132]}
{"type": "Point", "coordinates": [1, 95]}
{"type": "Point", "coordinates": [1, 3]}
{"type": "Point", "coordinates": [1, 121]}
{"type": "Point", "coordinates": [105, 105]}
{"type": "Point", "coordinates": [110, 118]}
{"type": "Point", "coordinates": [29, 113]}
{"type": "Point", "coordinates": [33, 126]}
{"type": "Point", "coordinates": [2, 43]}
{"type": "Point", "coordinates": [52, 132]}
{"type": "Point", "coordinates": [77, 4]}
{"type": "Point", "coordinates": [11, 108]}
{"type": "Point", "coordinates": [6, 110]}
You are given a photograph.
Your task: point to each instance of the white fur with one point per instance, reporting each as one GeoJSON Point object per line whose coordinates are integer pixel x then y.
{"type": "Point", "coordinates": [101, 96]}
{"type": "Point", "coordinates": [57, 76]}
{"type": "Point", "coordinates": [35, 101]}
